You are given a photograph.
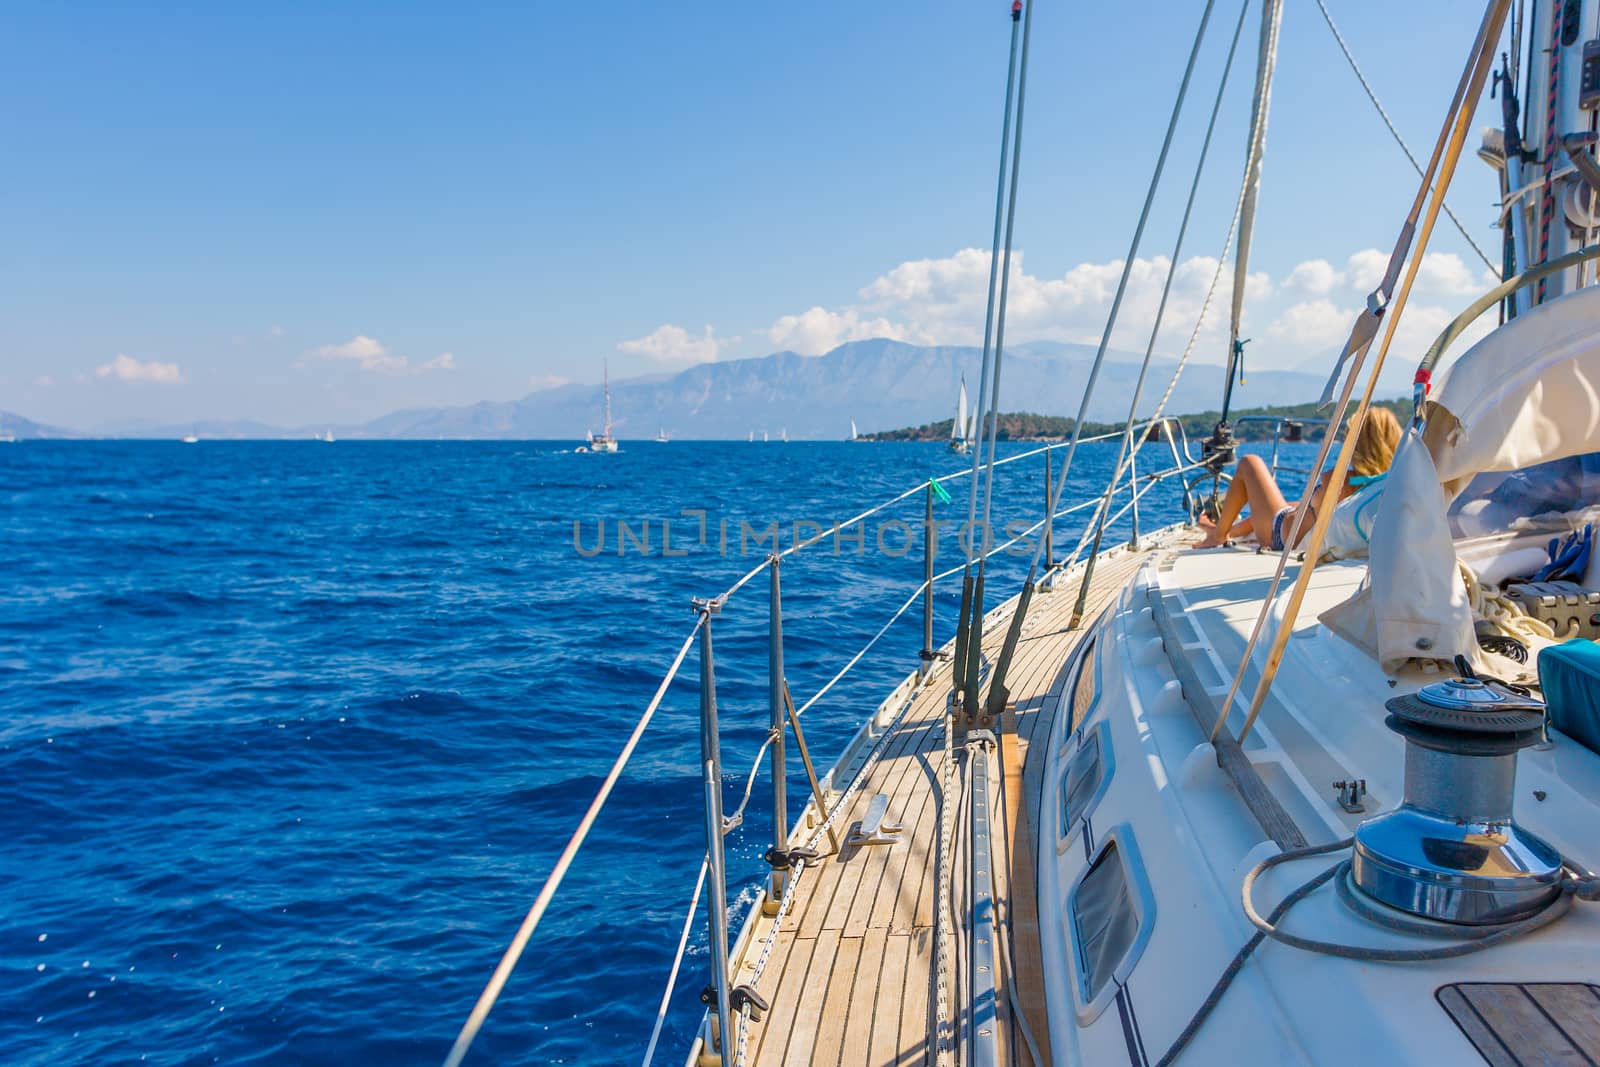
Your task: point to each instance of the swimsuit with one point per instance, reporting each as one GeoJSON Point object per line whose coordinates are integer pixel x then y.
{"type": "Point", "coordinates": [1278, 520]}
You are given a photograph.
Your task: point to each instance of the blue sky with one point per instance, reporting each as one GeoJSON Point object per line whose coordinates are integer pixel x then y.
{"type": "Point", "coordinates": [311, 213]}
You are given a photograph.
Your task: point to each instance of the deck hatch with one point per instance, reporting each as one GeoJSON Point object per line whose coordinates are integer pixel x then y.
{"type": "Point", "coordinates": [1086, 778]}
{"type": "Point", "coordinates": [1515, 1023]}
{"type": "Point", "coordinates": [1112, 911]}
{"type": "Point", "coordinates": [1084, 685]}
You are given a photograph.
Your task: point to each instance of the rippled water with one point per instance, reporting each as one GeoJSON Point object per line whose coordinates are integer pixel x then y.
{"type": "Point", "coordinates": [290, 733]}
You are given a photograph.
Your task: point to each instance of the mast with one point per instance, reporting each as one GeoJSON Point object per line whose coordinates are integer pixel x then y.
{"type": "Point", "coordinates": [606, 372]}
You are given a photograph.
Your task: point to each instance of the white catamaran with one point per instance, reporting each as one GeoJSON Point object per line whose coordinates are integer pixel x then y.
{"type": "Point", "coordinates": [1325, 800]}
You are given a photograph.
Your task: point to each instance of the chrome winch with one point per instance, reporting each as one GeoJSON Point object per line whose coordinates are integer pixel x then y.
{"type": "Point", "coordinates": [1451, 851]}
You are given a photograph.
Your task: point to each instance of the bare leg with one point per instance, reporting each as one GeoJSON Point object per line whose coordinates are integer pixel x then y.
{"type": "Point", "coordinates": [1252, 487]}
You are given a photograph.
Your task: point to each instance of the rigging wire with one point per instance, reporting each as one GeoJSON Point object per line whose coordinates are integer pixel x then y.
{"type": "Point", "coordinates": [530, 922]}
{"type": "Point", "coordinates": [974, 628]}
{"type": "Point", "coordinates": [1395, 132]}
{"type": "Point", "coordinates": [1005, 271]}
{"type": "Point", "coordinates": [1126, 442]}
{"type": "Point", "coordinates": [677, 963]}
{"type": "Point", "coordinates": [1127, 269]}
{"type": "Point", "coordinates": [994, 266]}
{"type": "Point", "coordinates": [1260, 107]}
{"type": "Point", "coordinates": [958, 675]}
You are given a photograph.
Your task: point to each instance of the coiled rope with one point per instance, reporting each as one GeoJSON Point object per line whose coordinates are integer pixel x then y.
{"type": "Point", "coordinates": [1575, 885]}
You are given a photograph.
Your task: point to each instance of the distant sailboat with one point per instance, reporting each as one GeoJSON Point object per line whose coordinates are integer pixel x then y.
{"type": "Point", "coordinates": [603, 441]}
{"type": "Point", "coordinates": [783, 434]}
{"type": "Point", "coordinates": [751, 438]}
{"type": "Point", "coordinates": [764, 437]}
{"type": "Point", "coordinates": [853, 435]}
{"type": "Point", "coordinates": [190, 439]}
{"type": "Point", "coordinates": [327, 437]}
{"type": "Point", "coordinates": [961, 427]}
{"type": "Point", "coordinates": [661, 435]}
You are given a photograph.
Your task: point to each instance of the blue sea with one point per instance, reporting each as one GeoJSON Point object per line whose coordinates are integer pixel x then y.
{"type": "Point", "coordinates": [292, 732]}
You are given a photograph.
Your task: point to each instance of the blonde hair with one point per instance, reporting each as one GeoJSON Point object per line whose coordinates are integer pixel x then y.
{"type": "Point", "coordinates": [1376, 442]}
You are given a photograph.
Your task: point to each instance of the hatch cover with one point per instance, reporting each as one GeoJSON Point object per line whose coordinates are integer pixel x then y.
{"type": "Point", "coordinates": [1517, 1023]}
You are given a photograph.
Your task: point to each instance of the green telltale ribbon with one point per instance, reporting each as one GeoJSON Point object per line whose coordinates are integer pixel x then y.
{"type": "Point", "coordinates": [938, 491]}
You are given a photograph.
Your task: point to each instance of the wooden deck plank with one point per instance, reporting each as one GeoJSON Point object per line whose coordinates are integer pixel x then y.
{"type": "Point", "coordinates": [863, 1017]}
{"type": "Point", "coordinates": [836, 1006]}
{"type": "Point", "coordinates": [785, 978]}
{"type": "Point", "coordinates": [886, 1039]}
{"type": "Point", "coordinates": [841, 874]}
{"type": "Point", "coordinates": [897, 907]}
{"type": "Point", "coordinates": [808, 1016]}
{"type": "Point", "coordinates": [899, 782]}
{"type": "Point", "coordinates": [1574, 1008]}
{"type": "Point", "coordinates": [1520, 1024]}
{"type": "Point", "coordinates": [876, 907]}
{"type": "Point", "coordinates": [913, 1040]}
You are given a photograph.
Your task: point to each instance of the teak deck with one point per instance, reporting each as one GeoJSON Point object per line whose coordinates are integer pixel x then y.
{"type": "Point", "coordinates": [851, 975]}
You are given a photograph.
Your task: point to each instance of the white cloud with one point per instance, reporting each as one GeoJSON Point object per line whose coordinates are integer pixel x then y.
{"type": "Point", "coordinates": [1444, 274]}
{"type": "Point", "coordinates": [547, 381]}
{"type": "Point", "coordinates": [367, 352]}
{"type": "Point", "coordinates": [813, 332]}
{"type": "Point", "coordinates": [1301, 316]}
{"type": "Point", "coordinates": [1311, 326]}
{"type": "Point", "coordinates": [443, 361]}
{"type": "Point", "coordinates": [127, 369]}
{"type": "Point", "coordinates": [1314, 277]}
{"type": "Point", "coordinates": [276, 331]}
{"type": "Point", "coordinates": [674, 344]}
{"type": "Point", "coordinates": [44, 381]}
{"type": "Point", "coordinates": [944, 301]}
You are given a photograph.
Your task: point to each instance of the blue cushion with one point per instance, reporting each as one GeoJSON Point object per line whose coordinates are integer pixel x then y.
{"type": "Point", "coordinates": [1569, 674]}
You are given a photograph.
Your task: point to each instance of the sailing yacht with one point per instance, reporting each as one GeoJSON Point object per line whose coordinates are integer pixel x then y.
{"type": "Point", "coordinates": [1325, 801]}
{"type": "Point", "coordinates": [853, 435]}
{"type": "Point", "coordinates": [661, 437]}
{"type": "Point", "coordinates": [604, 441]}
{"type": "Point", "coordinates": [960, 426]}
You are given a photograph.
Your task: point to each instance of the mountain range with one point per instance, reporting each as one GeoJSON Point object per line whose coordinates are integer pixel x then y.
{"type": "Point", "coordinates": [879, 384]}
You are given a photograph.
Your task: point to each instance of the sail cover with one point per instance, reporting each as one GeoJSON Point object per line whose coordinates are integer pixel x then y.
{"type": "Point", "coordinates": [1526, 394]}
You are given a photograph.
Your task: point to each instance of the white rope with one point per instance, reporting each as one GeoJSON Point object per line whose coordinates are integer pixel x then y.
{"type": "Point", "coordinates": [530, 922]}
{"type": "Point", "coordinates": [677, 962]}
{"type": "Point", "coordinates": [730, 821]}
{"type": "Point", "coordinates": [1507, 616]}
{"type": "Point", "coordinates": [1395, 133]}
{"type": "Point", "coordinates": [944, 1036]}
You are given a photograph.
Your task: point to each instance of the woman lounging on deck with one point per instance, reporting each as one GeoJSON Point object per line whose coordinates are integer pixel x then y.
{"type": "Point", "coordinates": [1271, 517]}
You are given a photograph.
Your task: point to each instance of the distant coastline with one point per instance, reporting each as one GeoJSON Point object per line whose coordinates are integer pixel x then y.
{"type": "Point", "coordinates": [1026, 426]}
